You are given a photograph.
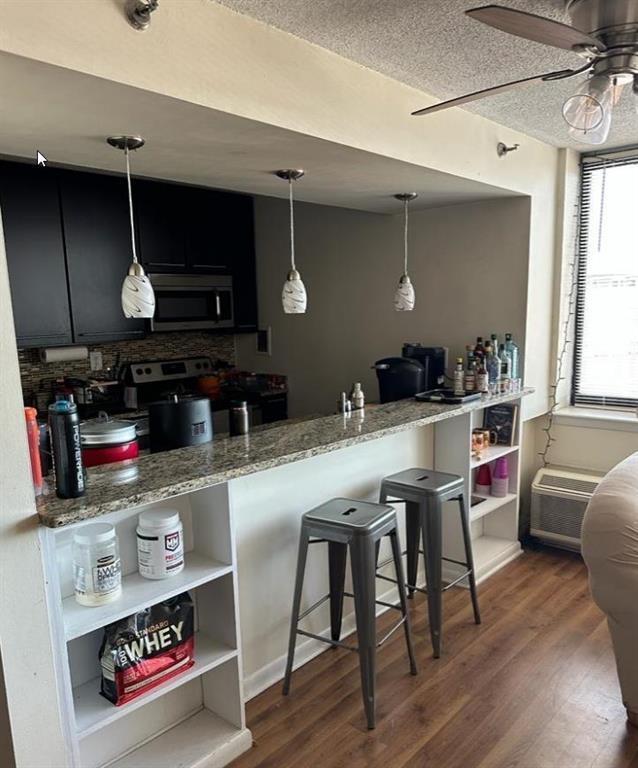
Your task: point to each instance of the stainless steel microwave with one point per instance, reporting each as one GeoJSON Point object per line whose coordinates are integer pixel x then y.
{"type": "Point", "coordinates": [192, 302]}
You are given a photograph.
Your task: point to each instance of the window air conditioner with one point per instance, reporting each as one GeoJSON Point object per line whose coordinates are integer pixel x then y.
{"type": "Point", "coordinates": [559, 500]}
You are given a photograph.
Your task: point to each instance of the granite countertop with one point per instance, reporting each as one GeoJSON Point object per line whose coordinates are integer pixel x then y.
{"type": "Point", "coordinates": [158, 476]}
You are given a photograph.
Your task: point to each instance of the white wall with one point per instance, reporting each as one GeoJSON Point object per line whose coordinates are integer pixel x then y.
{"type": "Point", "coordinates": [24, 627]}
{"type": "Point", "coordinates": [468, 263]}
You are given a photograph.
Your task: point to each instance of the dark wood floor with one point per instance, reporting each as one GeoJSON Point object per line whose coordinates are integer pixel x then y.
{"type": "Point", "coordinates": [533, 687]}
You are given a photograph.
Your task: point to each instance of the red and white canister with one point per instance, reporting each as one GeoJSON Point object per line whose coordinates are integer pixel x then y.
{"type": "Point", "coordinates": [160, 543]}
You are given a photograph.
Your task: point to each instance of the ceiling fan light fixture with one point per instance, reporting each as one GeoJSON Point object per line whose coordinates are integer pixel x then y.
{"type": "Point", "coordinates": [588, 111]}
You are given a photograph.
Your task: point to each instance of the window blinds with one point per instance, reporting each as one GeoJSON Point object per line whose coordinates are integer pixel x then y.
{"type": "Point", "coordinates": [606, 348]}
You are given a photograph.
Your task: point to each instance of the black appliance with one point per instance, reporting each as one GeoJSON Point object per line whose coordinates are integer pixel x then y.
{"type": "Point", "coordinates": [433, 360]}
{"type": "Point", "coordinates": [192, 302]}
{"type": "Point", "coordinates": [399, 377]}
{"type": "Point", "coordinates": [179, 422]}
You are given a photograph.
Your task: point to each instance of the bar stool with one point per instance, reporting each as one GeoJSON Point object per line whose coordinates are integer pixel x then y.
{"type": "Point", "coordinates": [359, 525]}
{"type": "Point", "coordinates": [423, 491]}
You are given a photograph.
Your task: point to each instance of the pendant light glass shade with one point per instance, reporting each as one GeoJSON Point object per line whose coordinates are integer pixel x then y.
{"type": "Point", "coordinates": [404, 296]}
{"type": "Point", "coordinates": [138, 297]}
{"type": "Point", "coordinates": [588, 112]}
{"type": "Point", "coordinates": [294, 298]}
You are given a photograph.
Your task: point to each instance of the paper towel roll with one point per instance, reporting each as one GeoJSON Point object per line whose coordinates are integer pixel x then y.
{"type": "Point", "coordinates": [63, 354]}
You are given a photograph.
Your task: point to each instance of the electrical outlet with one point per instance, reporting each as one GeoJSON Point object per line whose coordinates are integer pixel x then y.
{"type": "Point", "coordinates": [95, 359]}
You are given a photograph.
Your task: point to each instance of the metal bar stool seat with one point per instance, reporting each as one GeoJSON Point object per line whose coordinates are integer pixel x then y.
{"type": "Point", "coordinates": [423, 491]}
{"type": "Point", "coordinates": [359, 526]}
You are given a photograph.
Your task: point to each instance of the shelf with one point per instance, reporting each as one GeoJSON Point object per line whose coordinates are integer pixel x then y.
{"type": "Point", "coordinates": [93, 711]}
{"type": "Point", "coordinates": [490, 504]}
{"type": "Point", "coordinates": [492, 453]}
{"type": "Point", "coordinates": [139, 593]}
{"type": "Point", "coordinates": [204, 739]}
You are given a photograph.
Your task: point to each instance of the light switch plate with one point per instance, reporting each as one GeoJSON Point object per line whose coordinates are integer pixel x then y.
{"type": "Point", "coordinates": [95, 360]}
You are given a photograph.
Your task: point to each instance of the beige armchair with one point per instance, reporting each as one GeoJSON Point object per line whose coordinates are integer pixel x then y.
{"type": "Point", "coordinates": [610, 549]}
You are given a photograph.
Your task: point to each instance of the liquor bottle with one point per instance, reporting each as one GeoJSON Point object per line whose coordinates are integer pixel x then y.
{"type": "Point", "coordinates": [482, 380]}
{"type": "Point", "coordinates": [513, 352]}
{"type": "Point", "coordinates": [459, 377]}
{"type": "Point", "coordinates": [479, 349]}
{"type": "Point", "coordinates": [470, 373]}
{"type": "Point", "coordinates": [506, 363]}
{"type": "Point", "coordinates": [492, 363]}
{"type": "Point", "coordinates": [469, 355]}
{"type": "Point", "coordinates": [506, 370]}
{"type": "Point", "coordinates": [495, 345]}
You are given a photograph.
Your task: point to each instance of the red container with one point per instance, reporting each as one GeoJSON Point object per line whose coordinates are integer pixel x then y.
{"type": "Point", "coordinates": [107, 454]}
{"type": "Point", "coordinates": [105, 441]}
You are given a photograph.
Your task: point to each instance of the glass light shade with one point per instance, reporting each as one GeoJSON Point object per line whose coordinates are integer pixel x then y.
{"type": "Point", "coordinates": [588, 111]}
{"type": "Point", "coordinates": [138, 297]}
{"type": "Point", "coordinates": [293, 294]}
{"type": "Point", "coordinates": [404, 297]}
{"type": "Point", "coordinates": [636, 93]}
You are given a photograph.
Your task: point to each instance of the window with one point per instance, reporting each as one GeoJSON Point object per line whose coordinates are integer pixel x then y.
{"type": "Point", "coordinates": [606, 349]}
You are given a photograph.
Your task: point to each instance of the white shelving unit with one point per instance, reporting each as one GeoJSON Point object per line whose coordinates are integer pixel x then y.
{"type": "Point", "coordinates": [197, 717]}
{"type": "Point", "coordinates": [494, 521]}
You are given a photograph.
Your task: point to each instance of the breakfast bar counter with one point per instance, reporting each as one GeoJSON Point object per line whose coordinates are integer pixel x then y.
{"type": "Point", "coordinates": [161, 476]}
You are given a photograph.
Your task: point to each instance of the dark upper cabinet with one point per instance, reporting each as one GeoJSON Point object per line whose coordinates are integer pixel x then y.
{"type": "Point", "coordinates": [160, 217]}
{"type": "Point", "coordinates": [241, 243]}
{"type": "Point", "coordinates": [199, 231]}
{"type": "Point", "coordinates": [208, 231]}
{"type": "Point", "coordinates": [98, 250]}
{"type": "Point", "coordinates": [35, 254]}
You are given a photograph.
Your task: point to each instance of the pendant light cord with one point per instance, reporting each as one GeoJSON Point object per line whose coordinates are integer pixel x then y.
{"type": "Point", "coordinates": [292, 225]}
{"type": "Point", "coordinates": [130, 202]}
{"type": "Point", "coordinates": [405, 237]}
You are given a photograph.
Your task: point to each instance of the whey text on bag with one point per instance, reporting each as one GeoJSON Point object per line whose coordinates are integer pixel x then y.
{"type": "Point", "coordinates": [144, 650]}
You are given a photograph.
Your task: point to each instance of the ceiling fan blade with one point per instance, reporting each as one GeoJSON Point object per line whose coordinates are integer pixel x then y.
{"type": "Point", "coordinates": [533, 27]}
{"type": "Point", "coordinates": [469, 97]}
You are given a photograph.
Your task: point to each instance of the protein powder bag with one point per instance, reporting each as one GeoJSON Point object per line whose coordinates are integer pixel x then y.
{"type": "Point", "coordinates": [146, 649]}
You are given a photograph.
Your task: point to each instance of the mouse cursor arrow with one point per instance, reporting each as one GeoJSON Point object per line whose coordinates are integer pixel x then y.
{"type": "Point", "coordinates": [41, 159]}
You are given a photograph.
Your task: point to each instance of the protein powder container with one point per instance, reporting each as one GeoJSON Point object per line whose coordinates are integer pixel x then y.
{"type": "Point", "coordinates": [97, 574]}
{"type": "Point", "coordinates": [160, 543]}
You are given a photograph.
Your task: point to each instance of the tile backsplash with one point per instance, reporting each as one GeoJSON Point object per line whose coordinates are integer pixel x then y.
{"type": "Point", "coordinates": [153, 347]}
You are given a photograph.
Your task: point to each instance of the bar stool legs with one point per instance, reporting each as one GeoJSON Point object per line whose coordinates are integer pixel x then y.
{"type": "Point", "coordinates": [398, 565]}
{"type": "Point", "coordinates": [363, 561]}
{"type": "Point", "coordinates": [337, 556]}
{"type": "Point", "coordinates": [296, 605]}
{"type": "Point", "coordinates": [469, 558]}
{"type": "Point", "coordinates": [433, 545]}
{"type": "Point", "coordinates": [413, 536]}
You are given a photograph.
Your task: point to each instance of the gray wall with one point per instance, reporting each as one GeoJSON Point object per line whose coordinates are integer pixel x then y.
{"type": "Point", "coordinates": [469, 265]}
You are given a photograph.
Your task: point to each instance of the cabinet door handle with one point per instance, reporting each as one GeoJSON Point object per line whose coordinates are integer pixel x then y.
{"type": "Point", "coordinates": [218, 306]}
{"type": "Point", "coordinates": [209, 266]}
{"type": "Point", "coordinates": [165, 263]}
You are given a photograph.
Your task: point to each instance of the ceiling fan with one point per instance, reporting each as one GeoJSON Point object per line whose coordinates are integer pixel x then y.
{"type": "Point", "coordinates": [603, 32]}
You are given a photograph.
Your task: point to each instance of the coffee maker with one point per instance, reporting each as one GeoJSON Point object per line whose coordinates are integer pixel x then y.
{"type": "Point", "coordinates": [434, 361]}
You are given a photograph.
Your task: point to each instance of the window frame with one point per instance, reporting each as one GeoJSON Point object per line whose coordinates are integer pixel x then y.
{"type": "Point", "coordinates": [591, 162]}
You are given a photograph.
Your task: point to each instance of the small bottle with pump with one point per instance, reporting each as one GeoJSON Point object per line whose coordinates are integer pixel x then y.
{"type": "Point", "coordinates": [459, 377]}
{"type": "Point", "coordinates": [357, 397]}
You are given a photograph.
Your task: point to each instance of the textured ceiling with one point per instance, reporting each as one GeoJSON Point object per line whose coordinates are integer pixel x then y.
{"type": "Point", "coordinates": [432, 45]}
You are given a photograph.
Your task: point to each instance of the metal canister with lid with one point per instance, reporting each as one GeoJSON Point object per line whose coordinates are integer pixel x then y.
{"type": "Point", "coordinates": [239, 418]}
{"type": "Point", "coordinates": [106, 440]}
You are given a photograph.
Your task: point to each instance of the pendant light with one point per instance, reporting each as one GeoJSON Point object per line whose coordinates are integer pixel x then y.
{"type": "Point", "coordinates": [293, 296]}
{"type": "Point", "coordinates": [404, 297]}
{"type": "Point", "coordinates": [138, 299]}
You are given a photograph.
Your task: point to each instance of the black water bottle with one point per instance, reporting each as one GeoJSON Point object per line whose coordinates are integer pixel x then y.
{"type": "Point", "coordinates": [66, 449]}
